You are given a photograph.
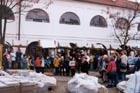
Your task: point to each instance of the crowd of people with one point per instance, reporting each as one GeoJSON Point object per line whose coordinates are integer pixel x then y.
{"type": "Point", "coordinates": [62, 64]}
{"type": "Point", "coordinates": [112, 68]}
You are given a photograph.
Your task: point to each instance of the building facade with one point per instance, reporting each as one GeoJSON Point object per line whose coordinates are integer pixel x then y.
{"type": "Point", "coordinates": [84, 22]}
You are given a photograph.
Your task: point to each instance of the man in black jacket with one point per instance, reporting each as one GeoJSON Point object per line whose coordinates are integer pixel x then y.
{"type": "Point", "coordinates": [137, 65]}
{"type": "Point", "coordinates": [84, 65]}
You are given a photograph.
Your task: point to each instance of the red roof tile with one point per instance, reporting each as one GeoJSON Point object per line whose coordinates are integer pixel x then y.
{"type": "Point", "coordinates": [116, 3]}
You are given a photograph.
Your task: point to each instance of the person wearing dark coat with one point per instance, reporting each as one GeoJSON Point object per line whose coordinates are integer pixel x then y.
{"type": "Point", "coordinates": [118, 73]}
{"type": "Point", "coordinates": [18, 58]}
{"type": "Point", "coordinates": [137, 65]}
{"type": "Point", "coordinates": [62, 66]}
{"type": "Point", "coordinates": [67, 66]}
{"type": "Point", "coordinates": [5, 62]}
{"type": "Point", "coordinates": [84, 65]}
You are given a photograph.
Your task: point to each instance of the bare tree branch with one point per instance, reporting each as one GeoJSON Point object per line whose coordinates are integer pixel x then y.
{"type": "Point", "coordinates": [135, 35]}
{"type": "Point", "coordinates": [122, 33]}
{"type": "Point", "coordinates": [1, 2]}
{"type": "Point", "coordinates": [6, 2]}
{"type": "Point", "coordinates": [16, 4]}
{"type": "Point", "coordinates": [126, 39]}
{"type": "Point", "coordinates": [116, 34]}
{"type": "Point", "coordinates": [10, 3]}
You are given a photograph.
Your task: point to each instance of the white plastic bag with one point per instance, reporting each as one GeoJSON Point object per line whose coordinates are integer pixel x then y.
{"type": "Point", "coordinates": [82, 83]}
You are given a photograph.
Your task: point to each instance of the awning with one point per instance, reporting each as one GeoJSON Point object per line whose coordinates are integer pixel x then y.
{"type": "Point", "coordinates": [48, 43]}
{"type": "Point", "coordinates": [97, 46]}
{"type": "Point", "coordinates": [63, 44]}
{"type": "Point", "coordinates": [101, 45]}
{"type": "Point", "coordinates": [134, 44]}
{"type": "Point", "coordinates": [114, 46]}
{"type": "Point", "coordinates": [84, 44]}
{"type": "Point", "coordinates": [91, 44]}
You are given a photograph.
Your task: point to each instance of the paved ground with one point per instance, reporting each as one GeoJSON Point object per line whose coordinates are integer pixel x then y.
{"type": "Point", "coordinates": [62, 84]}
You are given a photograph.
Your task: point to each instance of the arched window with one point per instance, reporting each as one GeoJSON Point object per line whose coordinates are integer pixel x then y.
{"type": "Point", "coordinates": [138, 28]}
{"type": "Point", "coordinates": [6, 12]}
{"type": "Point", "coordinates": [70, 18]}
{"type": "Point", "coordinates": [98, 21]}
{"type": "Point", "coordinates": [37, 15]}
{"type": "Point", "coordinates": [122, 23]}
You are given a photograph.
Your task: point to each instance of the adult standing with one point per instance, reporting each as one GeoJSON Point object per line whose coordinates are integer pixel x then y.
{"type": "Point", "coordinates": [13, 59]}
{"type": "Point", "coordinates": [72, 65]}
{"type": "Point", "coordinates": [24, 62]}
{"type": "Point", "coordinates": [91, 61]}
{"type": "Point", "coordinates": [84, 65]}
{"type": "Point", "coordinates": [5, 62]}
{"type": "Point", "coordinates": [38, 64]}
{"type": "Point", "coordinates": [31, 62]}
{"type": "Point", "coordinates": [47, 63]}
{"type": "Point", "coordinates": [62, 66]}
{"type": "Point", "coordinates": [78, 62]}
{"type": "Point", "coordinates": [111, 72]}
{"type": "Point", "coordinates": [18, 58]}
{"type": "Point", "coordinates": [102, 67]}
{"type": "Point", "coordinates": [137, 65]}
{"type": "Point", "coordinates": [42, 64]}
{"type": "Point", "coordinates": [96, 61]}
{"type": "Point", "coordinates": [123, 64]}
{"type": "Point", "coordinates": [56, 64]}
{"type": "Point", "coordinates": [67, 60]}
{"type": "Point", "coordinates": [117, 61]}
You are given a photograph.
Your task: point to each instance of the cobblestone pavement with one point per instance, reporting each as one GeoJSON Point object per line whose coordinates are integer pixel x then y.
{"type": "Point", "coordinates": [63, 80]}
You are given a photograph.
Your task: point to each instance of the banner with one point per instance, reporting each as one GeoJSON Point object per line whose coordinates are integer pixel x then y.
{"type": "Point", "coordinates": [0, 55]}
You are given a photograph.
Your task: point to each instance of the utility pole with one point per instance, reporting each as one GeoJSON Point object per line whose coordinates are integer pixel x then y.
{"type": "Point", "coordinates": [1, 48]}
{"type": "Point", "coordinates": [19, 20]}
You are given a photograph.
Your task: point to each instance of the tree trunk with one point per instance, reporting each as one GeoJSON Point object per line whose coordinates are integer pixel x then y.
{"type": "Point", "coordinates": [124, 46]}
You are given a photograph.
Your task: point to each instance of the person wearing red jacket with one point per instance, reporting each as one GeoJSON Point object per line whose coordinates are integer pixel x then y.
{"type": "Point", "coordinates": [111, 72]}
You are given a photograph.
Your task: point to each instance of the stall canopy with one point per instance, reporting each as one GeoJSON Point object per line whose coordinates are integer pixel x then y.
{"type": "Point", "coordinates": [82, 44]}
{"type": "Point", "coordinates": [112, 46]}
{"type": "Point", "coordinates": [134, 44]}
{"type": "Point", "coordinates": [64, 44]}
{"type": "Point", "coordinates": [48, 43]}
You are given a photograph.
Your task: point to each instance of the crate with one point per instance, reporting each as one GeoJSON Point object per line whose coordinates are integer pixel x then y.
{"type": "Point", "coordinates": [49, 73]}
{"type": "Point", "coordinates": [51, 88]}
{"type": "Point", "coordinates": [42, 89]}
{"type": "Point", "coordinates": [10, 89]}
{"type": "Point", "coordinates": [28, 88]}
{"type": "Point", "coordinates": [46, 89]}
{"type": "Point", "coordinates": [102, 90]}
